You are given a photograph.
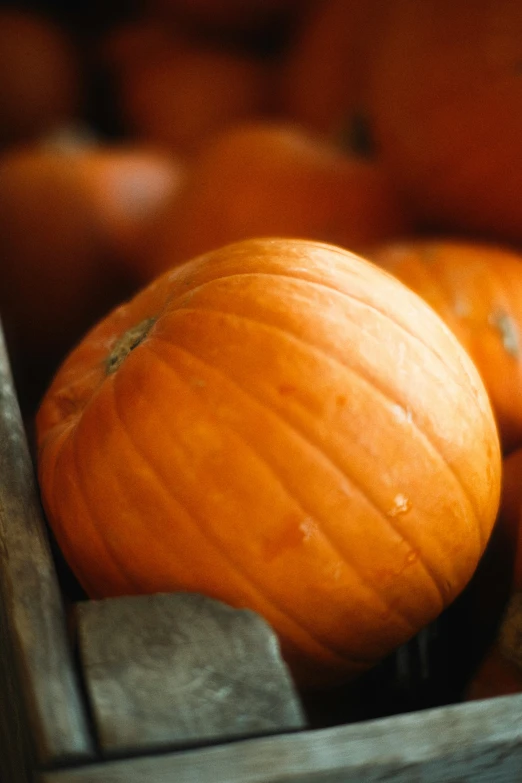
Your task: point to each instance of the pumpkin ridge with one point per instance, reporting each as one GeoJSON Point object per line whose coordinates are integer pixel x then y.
{"type": "Point", "coordinates": [341, 293]}
{"type": "Point", "coordinates": [364, 378]}
{"type": "Point", "coordinates": [93, 517]}
{"type": "Point", "coordinates": [439, 587]}
{"type": "Point", "coordinates": [328, 538]}
{"type": "Point", "coordinates": [239, 571]}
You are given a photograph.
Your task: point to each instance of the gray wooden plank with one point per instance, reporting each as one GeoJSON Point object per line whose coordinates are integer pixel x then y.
{"type": "Point", "coordinates": [171, 670]}
{"type": "Point", "coordinates": [479, 742]}
{"type": "Point", "coordinates": [34, 631]}
{"type": "Point", "coordinates": [16, 749]}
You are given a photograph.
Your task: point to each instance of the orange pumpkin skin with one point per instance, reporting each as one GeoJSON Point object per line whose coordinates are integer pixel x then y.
{"type": "Point", "coordinates": [296, 432]}
{"type": "Point", "coordinates": [262, 179]}
{"type": "Point", "coordinates": [477, 290]}
{"type": "Point", "coordinates": [445, 101]}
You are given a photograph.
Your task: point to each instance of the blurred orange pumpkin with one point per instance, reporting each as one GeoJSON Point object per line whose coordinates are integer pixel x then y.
{"type": "Point", "coordinates": [445, 102]}
{"type": "Point", "coordinates": [40, 81]}
{"type": "Point", "coordinates": [500, 672]}
{"type": "Point", "coordinates": [279, 425]}
{"type": "Point", "coordinates": [179, 96]}
{"type": "Point", "coordinates": [510, 515]}
{"type": "Point", "coordinates": [273, 179]}
{"type": "Point", "coordinates": [325, 64]}
{"type": "Point", "coordinates": [477, 289]}
{"type": "Point", "coordinates": [68, 220]}
{"type": "Point", "coordinates": [496, 676]}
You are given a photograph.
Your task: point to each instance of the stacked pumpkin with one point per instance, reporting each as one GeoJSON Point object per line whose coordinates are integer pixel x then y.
{"type": "Point", "coordinates": [292, 280]}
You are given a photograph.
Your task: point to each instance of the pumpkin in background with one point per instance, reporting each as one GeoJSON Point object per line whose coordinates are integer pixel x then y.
{"type": "Point", "coordinates": [180, 95]}
{"type": "Point", "coordinates": [69, 217]}
{"type": "Point", "coordinates": [477, 289]}
{"type": "Point", "coordinates": [279, 425]}
{"type": "Point", "coordinates": [133, 41]}
{"type": "Point", "coordinates": [226, 15]}
{"type": "Point", "coordinates": [326, 62]}
{"type": "Point", "coordinates": [500, 672]}
{"type": "Point", "coordinates": [40, 82]}
{"type": "Point", "coordinates": [445, 103]}
{"type": "Point", "coordinates": [498, 576]}
{"type": "Point", "coordinates": [496, 676]}
{"type": "Point", "coordinates": [272, 179]}
{"type": "Point", "coordinates": [510, 515]}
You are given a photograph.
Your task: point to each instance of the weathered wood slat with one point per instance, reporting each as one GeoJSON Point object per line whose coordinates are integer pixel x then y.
{"type": "Point", "coordinates": [176, 669]}
{"type": "Point", "coordinates": [479, 742]}
{"type": "Point", "coordinates": [33, 632]}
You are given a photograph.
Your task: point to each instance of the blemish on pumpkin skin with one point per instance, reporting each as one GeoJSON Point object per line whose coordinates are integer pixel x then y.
{"type": "Point", "coordinates": [287, 388]}
{"type": "Point", "coordinates": [507, 327]}
{"type": "Point", "coordinates": [401, 505]}
{"type": "Point", "coordinates": [408, 561]}
{"type": "Point", "coordinates": [294, 531]}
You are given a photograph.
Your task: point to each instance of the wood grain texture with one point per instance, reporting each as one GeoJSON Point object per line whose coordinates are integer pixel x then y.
{"type": "Point", "coordinates": [479, 742]}
{"type": "Point", "coordinates": [35, 658]}
{"type": "Point", "coordinates": [170, 670]}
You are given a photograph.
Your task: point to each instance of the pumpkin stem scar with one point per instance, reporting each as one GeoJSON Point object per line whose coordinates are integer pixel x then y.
{"type": "Point", "coordinates": [127, 343]}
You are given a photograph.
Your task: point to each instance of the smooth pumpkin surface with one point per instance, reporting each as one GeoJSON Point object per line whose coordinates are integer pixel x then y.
{"type": "Point", "coordinates": [477, 289]}
{"type": "Point", "coordinates": [281, 425]}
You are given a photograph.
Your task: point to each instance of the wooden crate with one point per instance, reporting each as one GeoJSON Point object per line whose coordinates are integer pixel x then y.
{"type": "Point", "coordinates": [116, 707]}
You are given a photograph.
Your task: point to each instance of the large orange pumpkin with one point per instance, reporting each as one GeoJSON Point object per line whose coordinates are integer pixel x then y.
{"type": "Point", "coordinates": [280, 425]}
{"type": "Point", "coordinates": [477, 289]}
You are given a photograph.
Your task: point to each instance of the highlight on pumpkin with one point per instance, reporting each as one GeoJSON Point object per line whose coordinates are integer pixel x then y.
{"type": "Point", "coordinates": [246, 427]}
